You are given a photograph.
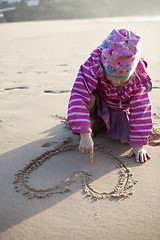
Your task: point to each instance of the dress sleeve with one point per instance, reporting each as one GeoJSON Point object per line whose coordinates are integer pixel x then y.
{"type": "Point", "coordinates": [140, 119]}
{"type": "Point", "coordinates": [85, 83]}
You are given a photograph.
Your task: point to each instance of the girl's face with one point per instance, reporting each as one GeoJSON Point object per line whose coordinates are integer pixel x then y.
{"type": "Point", "coordinates": [116, 82]}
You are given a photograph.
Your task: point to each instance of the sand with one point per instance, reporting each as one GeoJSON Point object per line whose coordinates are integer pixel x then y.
{"type": "Point", "coordinates": [38, 65]}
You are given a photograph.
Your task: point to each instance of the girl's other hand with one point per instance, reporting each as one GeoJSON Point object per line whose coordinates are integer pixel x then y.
{"type": "Point", "coordinates": [86, 145]}
{"type": "Point", "coordinates": [140, 153]}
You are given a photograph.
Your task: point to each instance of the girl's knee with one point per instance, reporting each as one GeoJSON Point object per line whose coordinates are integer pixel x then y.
{"type": "Point", "coordinates": [125, 141]}
{"type": "Point", "coordinates": [92, 102]}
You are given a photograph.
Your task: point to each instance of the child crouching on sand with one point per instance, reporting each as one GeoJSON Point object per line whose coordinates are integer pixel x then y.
{"type": "Point", "coordinates": [111, 94]}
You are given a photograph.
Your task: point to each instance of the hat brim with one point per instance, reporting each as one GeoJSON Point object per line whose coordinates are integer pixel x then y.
{"type": "Point", "coordinates": [118, 77]}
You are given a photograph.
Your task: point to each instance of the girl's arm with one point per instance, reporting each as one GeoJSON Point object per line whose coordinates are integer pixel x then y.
{"type": "Point", "coordinates": [86, 82]}
{"type": "Point", "coordinates": [78, 108]}
{"type": "Point", "coordinates": [140, 121]}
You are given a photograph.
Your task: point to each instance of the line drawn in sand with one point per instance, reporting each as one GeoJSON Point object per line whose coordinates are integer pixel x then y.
{"type": "Point", "coordinates": [123, 189]}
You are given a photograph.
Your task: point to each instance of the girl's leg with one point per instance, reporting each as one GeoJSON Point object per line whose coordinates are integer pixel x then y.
{"type": "Point", "coordinates": [92, 103]}
{"type": "Point", "coordinates": [91, 111]}
{"type": "Point", "coordinates": [97, 124]}
{"type": "Point", "coordinates": [105, 120]}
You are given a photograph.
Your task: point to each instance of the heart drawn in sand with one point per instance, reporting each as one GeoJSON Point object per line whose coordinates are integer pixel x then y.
{"type": "Point", "coordinates": [124, 187]}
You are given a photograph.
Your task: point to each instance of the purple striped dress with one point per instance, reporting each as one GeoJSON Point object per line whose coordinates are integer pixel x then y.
{"type": "Point", "coordinates": [132, 102]}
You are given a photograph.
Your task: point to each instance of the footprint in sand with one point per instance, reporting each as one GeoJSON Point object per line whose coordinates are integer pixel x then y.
{"type": "Point", "coordinates": [156, 87]}
{"type": "Point", "coordinates": [67, 70]}
{"type": "Point", "coordinates": [62, 65]}
{"type": "Point", "coordinates": [56, 92]}
{"type": "Point", "coordinates": [20, 72]}
{"type": "Point", "coordinates": [15, 88]}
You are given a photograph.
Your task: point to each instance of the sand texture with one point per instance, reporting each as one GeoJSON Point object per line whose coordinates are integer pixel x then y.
{"type": "Point", "coordinates": [48, 189]}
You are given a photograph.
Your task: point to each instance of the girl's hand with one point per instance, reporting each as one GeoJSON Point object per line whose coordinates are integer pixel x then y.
{"type": "Point", "coordinates": [140, 154]}
{"type": "Point", "coordinates": [86, 145]}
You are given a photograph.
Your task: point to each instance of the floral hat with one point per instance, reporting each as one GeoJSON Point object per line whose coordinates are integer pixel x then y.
{"type": "Point", "coordinates": [121, 52]}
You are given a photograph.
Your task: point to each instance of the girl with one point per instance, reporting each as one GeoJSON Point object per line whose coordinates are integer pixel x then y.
{"type": "Point", "coordinates": [111, 94]}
